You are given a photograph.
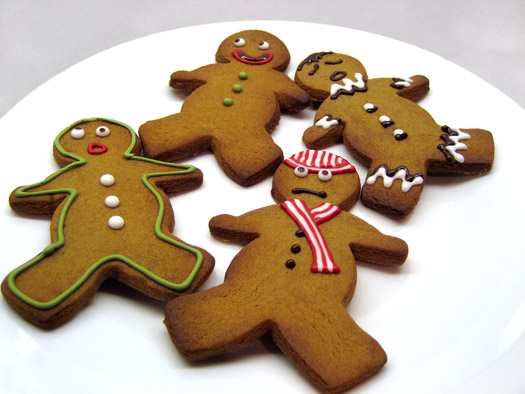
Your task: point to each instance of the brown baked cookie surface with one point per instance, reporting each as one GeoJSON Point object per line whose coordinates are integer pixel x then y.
{"type": "Point", "coordinates": [293, 278]}
{"type": "Point", "coordinates": [111, 217]}
{"type": "Point", "coordinates": [384, 128]}
{"type": "Point", "coordinates": [233, 106]}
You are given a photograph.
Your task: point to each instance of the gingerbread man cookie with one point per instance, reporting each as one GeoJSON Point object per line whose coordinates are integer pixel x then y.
{"type": "Point", "coordinates": [111, 218]}
{"type": "Point", "coordinates": [233, 107]}
{"type": "Point", "coordinates": [293, 278]}
{"type": "Point", "coordinates": [381, 126]}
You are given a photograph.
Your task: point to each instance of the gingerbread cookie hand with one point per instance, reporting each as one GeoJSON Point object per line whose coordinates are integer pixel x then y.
{"type": "Point", "coordinates": [382, 126]}
{"type": "Point", "coordinates": [111, 218]}
{"type": "Point", "coordinates": [293, 278]}
{"type": "Point", "coordinates": [234, 106]}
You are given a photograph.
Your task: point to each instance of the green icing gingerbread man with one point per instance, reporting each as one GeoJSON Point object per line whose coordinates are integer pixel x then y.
{"type": "Point", "coordinates": [111, 218]}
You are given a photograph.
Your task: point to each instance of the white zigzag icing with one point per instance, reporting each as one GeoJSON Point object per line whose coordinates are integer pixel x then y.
{"type": "Point", "coordinates": [401, 173]}
{"type": "Point", "coordinates": [349, 85]}
{"type": "Point", "coordinates": [452, 149]}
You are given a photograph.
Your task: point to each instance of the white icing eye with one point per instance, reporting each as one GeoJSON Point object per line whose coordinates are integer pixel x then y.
{"type": "Point", "coordinates": [239, 42]}
{"type": "Point", "coordinates": [77, 133]}
{"type": "Point", "coordinates": [102, 131]}
{"type": "Point", "coordinates": [301, 171]}
{"type": "Point", "coordinates": [264, 45]}
{"type": "Point", "coordinates": [325, 175]}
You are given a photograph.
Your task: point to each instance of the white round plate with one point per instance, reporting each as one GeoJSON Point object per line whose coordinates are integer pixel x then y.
{"type": "Point", "coordinates": [451, 319]}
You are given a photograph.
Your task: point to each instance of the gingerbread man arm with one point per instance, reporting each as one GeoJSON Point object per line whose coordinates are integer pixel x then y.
{"type": "Point", "coordinates": [327, 129]}
{"type": "Point", "coordinates": [170, 177]}
{"type": "Point", "coordinates": [43, 198]}
{"type": "Point", "coordinates": [368, 244]}
{"type": "Point", "coordinates": [239, 229]}
{"type": "Point", "coordinates": [289, 95]}
{"type": "Point", "coordinates": [191, 80]}
{"type": "Point", "coordinates": [413, 88]}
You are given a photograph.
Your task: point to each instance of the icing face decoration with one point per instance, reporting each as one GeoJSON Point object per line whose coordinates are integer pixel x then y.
{"type": "Point", "coordinates": [94, 148]}
{"type": "Point", "coordinates": [316, 161]}
{"type": "Point", "coordinates": [327, 71]}
{"type": "Point", "coordinates": [254, 48]}
{"type": "Point", "coordinates": [240, 55]}
{"type": "Point", "coordinates": [324, 164]}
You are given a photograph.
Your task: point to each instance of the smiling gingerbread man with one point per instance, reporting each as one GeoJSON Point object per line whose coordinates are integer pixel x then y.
{"type": "Point", "coordinates": [233, 107]}
{"type": "Point", "coordinates": [293, 278]}
{"type": "Point", "coordinates": [384, 128]}
{"type": "Point", "coordinates": [111, 218]}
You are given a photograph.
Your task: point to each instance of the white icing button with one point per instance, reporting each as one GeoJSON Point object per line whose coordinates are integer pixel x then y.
{"type": "Point", "coordinates": [116, 222]}
{"type": "Point", "coordinates": [112, 201]}
{"type": "Point", "coordinates": [369, 106]}
{"type": "Point", "coordinates": [107, 179]}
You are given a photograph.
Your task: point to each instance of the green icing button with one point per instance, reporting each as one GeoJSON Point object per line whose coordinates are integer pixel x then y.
{"type": "Point", "coordinates": [237, 88]}
{"type": "Point", "coordinates": [243, 75]}
{"type": "Point", "coordinates": [228, 101]}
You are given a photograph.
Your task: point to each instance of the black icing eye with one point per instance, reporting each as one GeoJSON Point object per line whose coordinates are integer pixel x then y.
{"type": "Point", "coordinates": [325, 175]}
{"type": "Point", "coordinates": [264, 45]}
{"type": "Point", "coordinates": [239, 42]}
{"type": "Point", "coordinates": [301, 171]}
{"type": "Point", "coordinates": [102, 131]}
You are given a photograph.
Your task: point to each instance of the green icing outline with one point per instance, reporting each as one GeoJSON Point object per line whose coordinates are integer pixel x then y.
{"type": "Point", "coordinates": [79, 161]}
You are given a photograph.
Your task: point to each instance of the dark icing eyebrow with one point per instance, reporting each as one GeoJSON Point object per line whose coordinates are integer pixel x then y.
{"type": "Point", "coordinates": [313, 58]}
{"type": "Point", "coordinates": [333, 63]}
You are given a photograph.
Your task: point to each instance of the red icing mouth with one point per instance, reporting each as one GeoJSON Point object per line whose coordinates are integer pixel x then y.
{"type": "Point", "coordinates": [243, 57]}
{"type": "Point", "coordinates": [95, 148]}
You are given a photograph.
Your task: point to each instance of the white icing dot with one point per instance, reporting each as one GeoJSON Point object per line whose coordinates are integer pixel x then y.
{"type": "Point", "coordinates": [116, 222]}
{"type": "Point", "coordinates": [112, 201]}
{"type": "Point", "coordinates": [239, 42]}
{"type": "Point", "coordinates": [107, 179]}
{"type": "Point", "coordinates": [384, 119]}
{"type": "Point", "coordinates": [369, 106]}
{"type": "Point", "coordinates": [102, 131]}
{"type": "Point", "coordinates": [77, 133]}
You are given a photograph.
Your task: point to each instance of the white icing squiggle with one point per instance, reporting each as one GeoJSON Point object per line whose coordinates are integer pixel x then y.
{"type": "Point", "coordinates": [452, 149]}
{"type": "Point", "coordinates": [327, 121]}
{"type": "Point", "coordinates": [401, 173]}
{"type": "Point", "coordinates": [349, 85]}
{"type": "Point", "coordinates": [405, 83]}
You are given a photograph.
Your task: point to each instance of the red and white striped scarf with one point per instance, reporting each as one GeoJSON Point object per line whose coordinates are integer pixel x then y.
{"type": "Point", "coordinates": [308, 221]}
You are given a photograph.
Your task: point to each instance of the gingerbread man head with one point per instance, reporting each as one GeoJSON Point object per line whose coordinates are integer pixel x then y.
{"type": "Point", "coordinates": [321, 70]}
{"type": "Point", "coordinates": [95, 139]}
{"type": "Point", "coordinates": [254, 47]}
{"type": "Point", "coordinates": [317, 177]}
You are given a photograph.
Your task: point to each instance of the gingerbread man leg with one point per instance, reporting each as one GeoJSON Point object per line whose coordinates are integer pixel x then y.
{"type": "Point", "coordinates": [247, 163]}
{"type": "Point", "coordinates": [331, 332]}
{"type": "Point", "coordinates": [462, 151]}
{"type": "Point", "coordinates": [206, 324]}
{"type": "Point", "coordinates": [173, 138]}
{"type": "Point", "coordinates": [64, 288]}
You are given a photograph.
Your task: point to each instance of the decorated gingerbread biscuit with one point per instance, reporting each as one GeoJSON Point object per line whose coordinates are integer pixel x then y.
{"type": "Point", "coordinates": [293, 278]}
{"type": "Point", "coordinates": [382, 127]}
{"type": "Point", "coordinates": [234, 105]}
{"type": "Point", "coordinates": [111, 218]}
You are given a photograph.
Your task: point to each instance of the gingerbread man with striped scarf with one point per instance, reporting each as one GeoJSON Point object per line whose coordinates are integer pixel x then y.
{"type": "Point", "coordinates": [294, 278]}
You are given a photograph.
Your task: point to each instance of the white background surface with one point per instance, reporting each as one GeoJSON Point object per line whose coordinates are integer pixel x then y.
{"type": "Point", "coordinates": [452, 319]}
{"type": "Point", "coordinates": [39, 39]}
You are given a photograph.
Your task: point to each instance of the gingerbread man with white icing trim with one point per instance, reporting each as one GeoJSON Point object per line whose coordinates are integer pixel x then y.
{"type": "Point", "coordinates": [234, 105]}
{"type": "Point", "coordinates": [111, 218]}
{"type": "Point", "coordinates": [384, 128]}
{"type": "Point", "coordinates": [294, 277]}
